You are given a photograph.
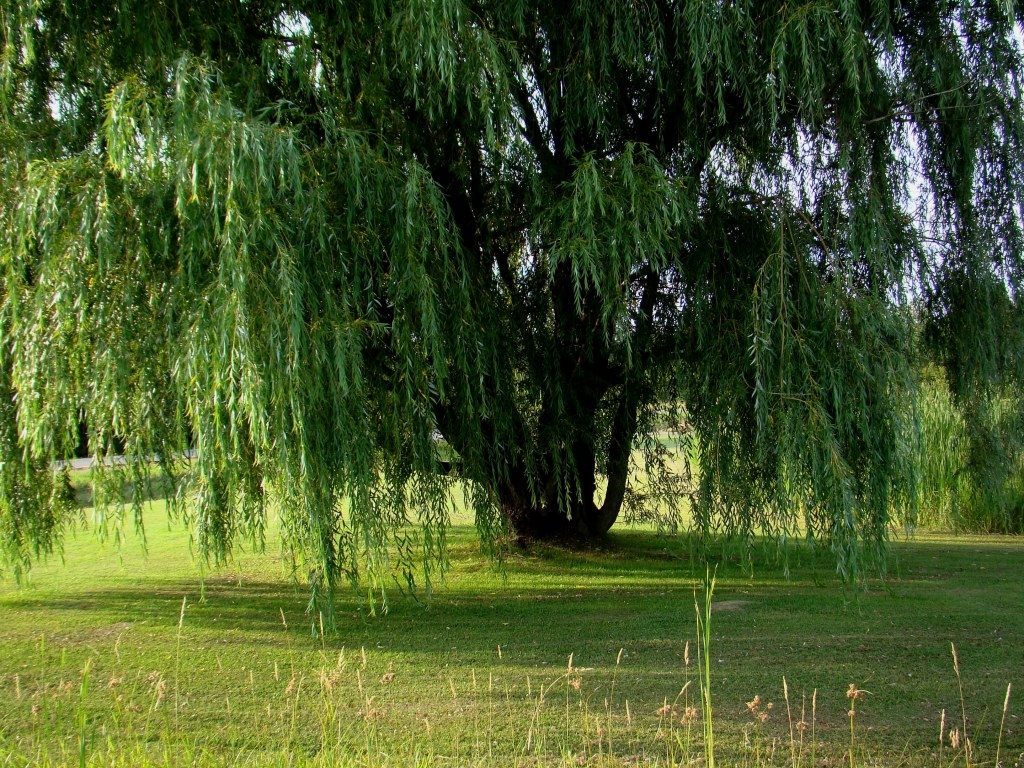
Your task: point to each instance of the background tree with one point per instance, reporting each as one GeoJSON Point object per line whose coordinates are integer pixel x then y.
{"type": "Point", "coordinates": [308, 237]}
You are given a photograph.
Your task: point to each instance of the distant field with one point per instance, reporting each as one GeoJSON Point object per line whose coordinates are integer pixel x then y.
{"type": "Point", "coordinates": [481, 675]}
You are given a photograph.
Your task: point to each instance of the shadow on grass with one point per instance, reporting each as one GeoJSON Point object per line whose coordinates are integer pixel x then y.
{"type": "Point", "coordinates": [640, 588]}
{"type": "Point", "coordinates": [635, 596]}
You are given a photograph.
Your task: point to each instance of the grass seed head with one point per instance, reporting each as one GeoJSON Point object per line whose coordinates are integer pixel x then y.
{"type": "Point", "coordinates": [328, 680]}
{"type": "Point", "coordinates": [160, 691]}
{"type": "Point", "coordinates": [758, 710]}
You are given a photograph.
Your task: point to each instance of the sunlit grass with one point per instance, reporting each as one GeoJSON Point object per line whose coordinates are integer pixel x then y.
{"type": "Point", "coordinates": [557, 657]}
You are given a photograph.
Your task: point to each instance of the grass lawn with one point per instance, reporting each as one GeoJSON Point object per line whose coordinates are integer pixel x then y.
{"type": "Point", "coordinates": [101, 666]}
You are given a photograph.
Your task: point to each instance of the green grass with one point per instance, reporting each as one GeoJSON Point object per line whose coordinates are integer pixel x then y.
{"type": "Point", "coordinates": [100, 665]}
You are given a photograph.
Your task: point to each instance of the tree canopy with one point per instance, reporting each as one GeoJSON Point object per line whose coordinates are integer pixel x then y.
{"type": "Point", "coordinates": [337, 248]}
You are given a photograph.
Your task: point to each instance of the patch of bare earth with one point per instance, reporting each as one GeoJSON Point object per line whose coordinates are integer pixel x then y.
{"type": "Point", "coordinates": [729, 605]}
{"type": "Point", "coordinates": [92, 634]}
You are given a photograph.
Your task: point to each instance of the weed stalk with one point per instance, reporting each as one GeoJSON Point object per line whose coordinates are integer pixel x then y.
{"type": "Point", "coordinates": [704, 664]}
{"type": "Point", "coordinates": [83, 715]}
{"type": "Point", "coordinates": [1002, 723]}
{"type": "Point", "coordinates": [963, 706]}
{"type": "Point", "coordinates": [177, 658]}
{"type": "Point", "coordinates": [789, 717]}
{"type": "Point", "coordinates": [853, 693]}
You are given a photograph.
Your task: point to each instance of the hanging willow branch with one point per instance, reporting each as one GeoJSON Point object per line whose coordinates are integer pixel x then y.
{"type": "Point", "coordinates": [353, 255]}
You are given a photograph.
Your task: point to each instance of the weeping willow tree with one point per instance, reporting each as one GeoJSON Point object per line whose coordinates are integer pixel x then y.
{"type": "Point", "coordinates": [318, 242]}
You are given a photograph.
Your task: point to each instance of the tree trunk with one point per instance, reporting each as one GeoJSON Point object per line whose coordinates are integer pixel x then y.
{"type": "Point", "coordinates": [576, 516]}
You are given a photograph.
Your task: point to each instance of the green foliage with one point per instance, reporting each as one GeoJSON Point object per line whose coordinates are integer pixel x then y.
{"type": "Point", "coordinates": [306, 238]}
{"type": "Point", "coordinates": [972, 468]}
